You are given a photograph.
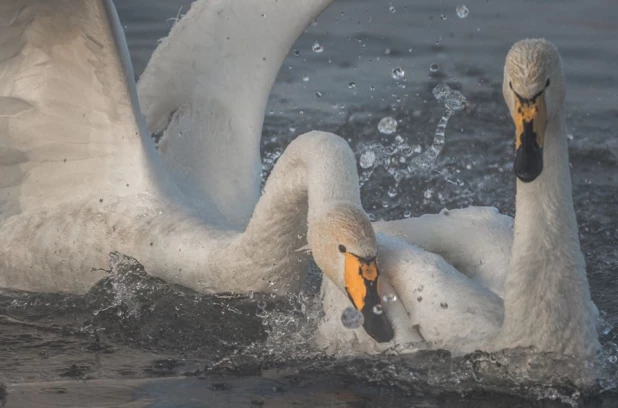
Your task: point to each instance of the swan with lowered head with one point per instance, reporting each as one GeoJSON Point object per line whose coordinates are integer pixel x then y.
{"type": "Point", "coordinates": [499, 283]}
{"type": "Point", "coordinates": [81, 177]}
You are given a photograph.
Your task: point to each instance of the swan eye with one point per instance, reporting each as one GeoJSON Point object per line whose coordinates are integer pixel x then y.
{"type": "Point", "coordinates": [342, 249]}
{"type": "Point", "coordinates": [547, 83]}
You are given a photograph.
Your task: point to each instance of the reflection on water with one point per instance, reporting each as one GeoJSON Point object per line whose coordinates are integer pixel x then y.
{"type": "Point", "coordinates": [242, 350]}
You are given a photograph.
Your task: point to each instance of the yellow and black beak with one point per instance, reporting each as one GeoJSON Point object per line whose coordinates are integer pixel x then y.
{"type": "Point", "coordinates": [361, 284]}
{"type": "Point", "coordinates": [530, 122]}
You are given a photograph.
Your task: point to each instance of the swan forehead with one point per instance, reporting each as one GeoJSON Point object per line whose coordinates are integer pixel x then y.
{"type": "Point", "coordinates": [352, 229]}
{"type": "Point", "coordinates": [529, 64]}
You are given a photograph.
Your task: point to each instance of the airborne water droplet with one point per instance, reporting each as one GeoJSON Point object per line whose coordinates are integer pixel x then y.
{"type": "Point", "coordinates": [377, 309]}
{"type": "Point", "coordinates": [434, 67]}
{"type": "Point", "coordinates": [389, 298]}
{"type": "Point", "coordinates": [317, 48]}
{"type": "Point", "coordinates": [352, 318]}
{"type": "Point", "coordinates": [367, 159]}
{"type": "Point", "coordinates": [398, 73]}
{"type": "Point", "coordinates": [387, 125]}
{"type": "Point", "coordinates": [462, 11]}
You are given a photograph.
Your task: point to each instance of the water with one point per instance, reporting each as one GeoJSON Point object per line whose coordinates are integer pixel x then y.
{"type": "Point", "coordinates": [136, 338]}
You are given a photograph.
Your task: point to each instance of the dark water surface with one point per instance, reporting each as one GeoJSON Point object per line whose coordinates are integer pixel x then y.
{"type": "Point", "coordinates": [134, 341]}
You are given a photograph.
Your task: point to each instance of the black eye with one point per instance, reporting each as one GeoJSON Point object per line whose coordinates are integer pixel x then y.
{"type": "Point", "coordinates": [547, 83]}
{"type": "Point", "coordinates": [342, 249]}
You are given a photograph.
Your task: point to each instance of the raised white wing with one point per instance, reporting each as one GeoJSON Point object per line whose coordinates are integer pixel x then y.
{"type": "Point", "coordinates": [206, 88]}
{"type": "Point", "coordinates": [69, 116]}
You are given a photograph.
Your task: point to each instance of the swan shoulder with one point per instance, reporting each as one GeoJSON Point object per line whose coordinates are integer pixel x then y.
{"type": "Point", "coordinates": [475, 240]}
{"type": "Point", "coordinates": [206, 87]}
{"type": "Point", "coordinates": [68, 107]}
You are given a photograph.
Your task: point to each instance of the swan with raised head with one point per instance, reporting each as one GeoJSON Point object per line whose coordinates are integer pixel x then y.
{"type": "Point", "coordinates": [508, 283]}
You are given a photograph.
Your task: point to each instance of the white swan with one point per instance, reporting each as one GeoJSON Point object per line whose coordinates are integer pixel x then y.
{"type": "Point", "coordinates": [535, 265]}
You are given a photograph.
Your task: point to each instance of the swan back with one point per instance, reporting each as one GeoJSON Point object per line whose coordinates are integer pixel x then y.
{"type": "Point", "coordinates": [206, 88]}
{"type": "Point", "coordinates": [69, 120]}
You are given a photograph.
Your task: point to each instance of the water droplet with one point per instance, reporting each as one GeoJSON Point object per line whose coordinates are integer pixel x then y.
{"type": "Point", "coordinates": [434, 67]}
{"type": "Point", "coordinates": [387, 125]}
{"type": "Point", "coordinates": [352, 85]}
{"type": "Point", "coordinates": [442, 17]}
{"type": "Point", "coordinates": [306, 78]}
{"type": "Point", "coordinates": [367, 159]}
{"type": "Point", "coordinates": [352, 318]}
{"type": "Point", "coordinates": [399, 139]}
{"type": "Point", "coordinates": [428, 193]}
{"type": "Point", "coordinates": [317, 48]}
{"type": "Point", "coordinates": [392, 9]}
{"type": "Point", "coordinates": [387, 51]}
{"type": "Point", "coordinates": [372, 88]}
{"type": "Point", "coordinates": [462, 11]}
{"type": "Point", "coordinates": [407, 214]}
{"type": "Point", "coordinates": [377, 309]}
{"type": "Point", "coordinates": [392, 192]}
{"type": "Point", "coordinates": [613, 359]}
{"type": "Point", "coordinates": [398, 73]}
{"type": "Point", "coordinates": [318, 94]}
{"type": "Point", "coordinates": [297, 52]}
{"type": "Point", "coordinates": [453, 100]}
{"type": "Point", "coordinates": [292, 129]}
{"type": "Point", "coordinates": [389, 298]}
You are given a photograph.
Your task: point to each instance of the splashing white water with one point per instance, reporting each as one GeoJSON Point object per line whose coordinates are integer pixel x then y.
{"type": "Point", "coordinates": [398, 158]}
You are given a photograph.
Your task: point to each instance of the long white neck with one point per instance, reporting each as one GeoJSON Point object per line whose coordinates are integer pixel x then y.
{"type": "Point", "coordinates": [207, 85]}
{"type": "Point", "coordinates": [315, 170]}
{"type": "Point", "coordinates": [547, 296]}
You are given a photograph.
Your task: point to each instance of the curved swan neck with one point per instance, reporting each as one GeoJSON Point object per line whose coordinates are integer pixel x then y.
{"type": "Point", "coordinates": [547, 297]}
{"type": "Point", "coordinates": [315, 170]}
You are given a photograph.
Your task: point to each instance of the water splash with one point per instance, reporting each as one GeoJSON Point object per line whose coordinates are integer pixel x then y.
{"type": "Point", "coordinates": [399, 158]}
{"type": "Point", "coordinates": [462, 11]}
{"type": "Point", "coordinates": [398, 73]}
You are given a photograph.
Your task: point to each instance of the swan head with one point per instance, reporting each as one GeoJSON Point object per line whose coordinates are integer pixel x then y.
{"type": "Point", "coordinates": [533, 89]}
{"type": "Point", "coordinates": [344, 246]}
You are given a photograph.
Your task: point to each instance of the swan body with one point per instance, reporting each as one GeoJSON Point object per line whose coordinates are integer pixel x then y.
{"type": "Point", "coordinates": [490, 282]}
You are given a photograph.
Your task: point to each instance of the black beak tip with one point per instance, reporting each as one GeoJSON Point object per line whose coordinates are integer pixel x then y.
{"type": "Point", "coordinates": [527, 177]}
{"type": "Point", "coordinates": [528, 164]}
{"type": "Point", "coordinates": [377, 326]}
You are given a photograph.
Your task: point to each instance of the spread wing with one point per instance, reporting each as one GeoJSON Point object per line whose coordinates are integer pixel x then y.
{"type": "Point", "coordinates": [69, 117]}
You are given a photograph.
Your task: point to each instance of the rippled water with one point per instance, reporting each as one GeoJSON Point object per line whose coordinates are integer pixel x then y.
{"type": "Point", "coordinates": [137, 338]}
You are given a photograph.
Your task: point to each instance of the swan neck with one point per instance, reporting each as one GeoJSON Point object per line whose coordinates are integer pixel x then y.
{"type": "Point", "coordinates": [547, 297]}
{"type": "Point", "coordinates": [549, 198]}
{"type": "Point", "coordinates": [314, 171]}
